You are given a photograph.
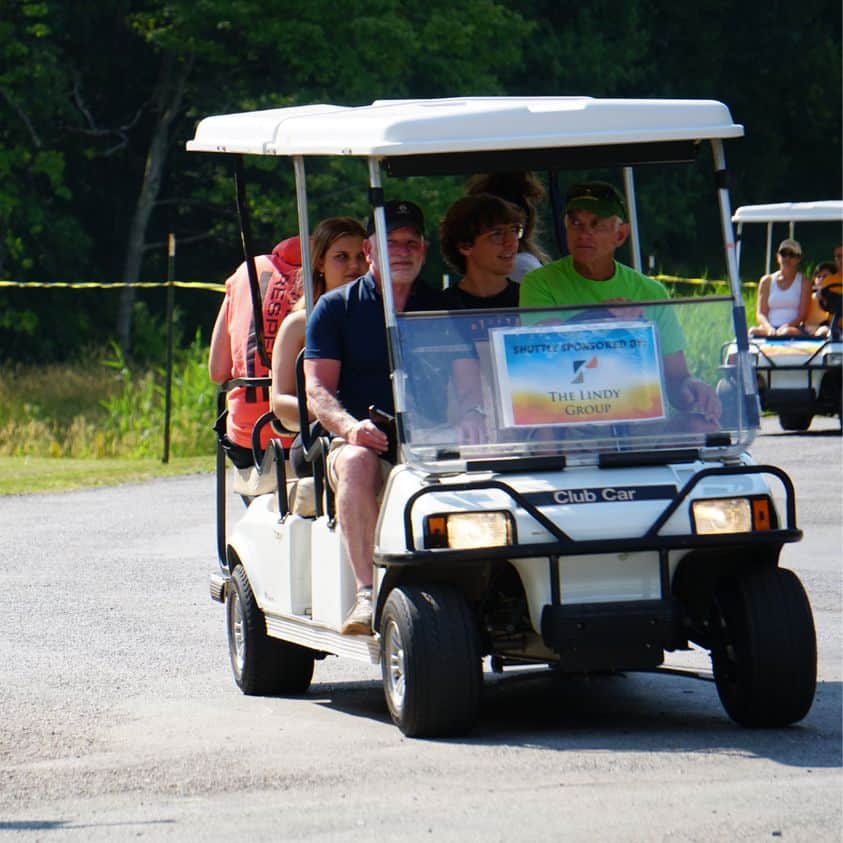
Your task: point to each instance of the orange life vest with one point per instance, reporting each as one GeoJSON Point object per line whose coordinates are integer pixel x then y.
{"type": "Point", "coordinates": [278, 279]}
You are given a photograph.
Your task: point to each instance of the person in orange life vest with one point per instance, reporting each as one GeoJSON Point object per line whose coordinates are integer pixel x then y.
{"type": "Point", "coordinates": [234, 352]}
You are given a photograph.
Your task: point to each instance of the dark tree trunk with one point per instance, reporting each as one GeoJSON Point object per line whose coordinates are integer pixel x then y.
{"type": "Point", "coordinates": [168, 99]}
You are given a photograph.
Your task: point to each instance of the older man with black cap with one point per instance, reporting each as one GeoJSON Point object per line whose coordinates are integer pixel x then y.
{"type": "Point", "coordinates": [347, 370]}
{"type": "Point", "coordinates": [595, 226]}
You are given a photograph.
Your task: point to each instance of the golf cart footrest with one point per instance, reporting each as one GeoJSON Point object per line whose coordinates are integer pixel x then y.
{"type": "Point", "coordinates": [612, 636]}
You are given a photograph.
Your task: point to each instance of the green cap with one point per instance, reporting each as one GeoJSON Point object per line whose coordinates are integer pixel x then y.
{"type": "Point", "coordinates": [599, 197]}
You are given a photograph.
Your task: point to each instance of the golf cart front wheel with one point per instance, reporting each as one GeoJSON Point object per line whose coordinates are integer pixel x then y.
{"type": "Point", "coordinates": [262, 666]}
{"type": "Point", "coordinates": [430, 659]}
{"type": "Point", "coordinates": [764, 648]}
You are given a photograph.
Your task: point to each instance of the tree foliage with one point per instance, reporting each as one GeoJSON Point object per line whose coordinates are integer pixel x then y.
{"type": "Point", "coordinates": [97, 101]}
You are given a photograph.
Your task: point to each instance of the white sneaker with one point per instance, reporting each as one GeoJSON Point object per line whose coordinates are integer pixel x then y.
{"type": "Point", "coordinates": [359, 620]}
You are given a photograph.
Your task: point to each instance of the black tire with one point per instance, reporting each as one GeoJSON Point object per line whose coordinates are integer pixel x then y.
{"type": "Point", "coordinates": [795, 421]}
{"type": "Point", "coordinates": [262, 666]}
{"type": "Point", "coordinates": [764, 648]}
{"type": "Point", "coordinates": [430, 659]}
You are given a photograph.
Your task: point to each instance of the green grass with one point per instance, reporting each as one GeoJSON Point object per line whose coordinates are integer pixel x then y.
{"type": "Point", "coordinates": [27, 475]}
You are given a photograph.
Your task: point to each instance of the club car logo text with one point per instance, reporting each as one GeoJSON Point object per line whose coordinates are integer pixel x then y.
{"type": "Point", "coordinates": [610, 493]}
{"type": "Point", "coordinates": [602, 494]}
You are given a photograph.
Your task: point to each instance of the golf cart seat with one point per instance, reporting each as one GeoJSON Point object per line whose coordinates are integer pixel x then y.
{"type": "Point", "coordinates": [263, 477]}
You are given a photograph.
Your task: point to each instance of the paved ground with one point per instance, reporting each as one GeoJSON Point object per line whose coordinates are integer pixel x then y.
{"type": "Point", "coordinates": [119, 718]}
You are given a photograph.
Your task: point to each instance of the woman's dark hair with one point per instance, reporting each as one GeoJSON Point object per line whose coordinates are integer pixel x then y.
{"type": "Point", "coordinates": [523, 189]}
{"type": "Point", "coordinates": [469, 217]}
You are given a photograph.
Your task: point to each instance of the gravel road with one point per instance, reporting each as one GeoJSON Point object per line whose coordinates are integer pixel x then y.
{"type": "Point", "coordinates": [119, 718]}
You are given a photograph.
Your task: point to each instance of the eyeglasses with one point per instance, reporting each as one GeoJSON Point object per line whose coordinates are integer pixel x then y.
{"type": "Point", "coordinates": [788, 253]}
{"type": "Point", "coordinates": [499, 234]}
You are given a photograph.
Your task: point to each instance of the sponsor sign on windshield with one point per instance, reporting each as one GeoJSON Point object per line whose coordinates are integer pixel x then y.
{"type": "Point", "coordinates": [602, 373]}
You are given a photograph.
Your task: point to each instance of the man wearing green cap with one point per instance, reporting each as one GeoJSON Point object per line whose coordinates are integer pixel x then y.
{"type": "Point", "coordinates": [595, 226]}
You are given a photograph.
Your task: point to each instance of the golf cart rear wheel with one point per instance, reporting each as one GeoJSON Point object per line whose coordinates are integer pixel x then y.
{"type": "Point", "coordinates": [764, 648]}
{"type": "Point", "coordinates": [262, 666]}
{"type": "Point", "coordinates": [795, 421]}
{"type": "Point", "coordinates": [430, 659]}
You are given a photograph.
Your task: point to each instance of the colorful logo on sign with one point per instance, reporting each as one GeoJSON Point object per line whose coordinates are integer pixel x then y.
{"type": "Point", "coordinates": [580, 366]}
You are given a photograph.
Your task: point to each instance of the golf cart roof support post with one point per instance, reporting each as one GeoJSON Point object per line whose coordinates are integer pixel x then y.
{"type": "Point", "coordinates": [720, 173]}
{"type": "Point", "coordinates": [304, 231]}
{"type": "Point", "coordinates": [632, 209]}
{"type": "Point", "coordinates": [558, 211]}
{"type": "Point", "coordinates": [249, 257]}
{"type": "Point", "coordinates": [376, 197]}
{"type": "Point", "coordinates": [769, 248]}
{"type": "Point", "coordinates": [376, 189]}
{"type": "Point", "coordinates": [738, 241]}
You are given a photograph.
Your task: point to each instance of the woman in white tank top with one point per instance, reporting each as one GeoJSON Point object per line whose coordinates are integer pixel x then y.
{"type": "Point", "coordinates": [783, 296]}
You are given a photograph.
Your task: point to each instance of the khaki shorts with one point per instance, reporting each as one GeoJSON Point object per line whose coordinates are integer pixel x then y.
{"type": "Point", "coordinates": [333, 452]}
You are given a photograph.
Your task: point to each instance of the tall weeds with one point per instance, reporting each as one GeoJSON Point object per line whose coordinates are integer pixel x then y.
{"type": "Point", "coordinates": [107, 408]}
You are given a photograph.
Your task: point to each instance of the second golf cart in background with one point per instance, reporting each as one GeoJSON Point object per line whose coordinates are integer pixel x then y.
{"type": "Point", "coordinates": [798, 377]}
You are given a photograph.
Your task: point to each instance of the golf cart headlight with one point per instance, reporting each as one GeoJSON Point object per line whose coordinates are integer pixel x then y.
{"type": "Point", "coordinates": [466, 530]}
{"type": "Point", "coordinates": [835, 358]}
{"type": "Point", "coordinates": [724, 515]}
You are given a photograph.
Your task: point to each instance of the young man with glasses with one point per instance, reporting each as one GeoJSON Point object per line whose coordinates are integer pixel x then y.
{"type": "Point", "coordinates": [479, 238]}
{"type": "Point", "coordinates": [595, 227]}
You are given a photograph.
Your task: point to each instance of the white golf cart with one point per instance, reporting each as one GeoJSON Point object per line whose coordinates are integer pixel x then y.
{"type": "Point", "coordinates": [798, 377]}
{"type": "Point", "coordinates": [595, 527]}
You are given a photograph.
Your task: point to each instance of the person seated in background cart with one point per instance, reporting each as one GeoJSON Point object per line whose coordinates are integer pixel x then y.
{"type": "Point", "coordinates": [336, 258]}
{"type": "Point", "coordinates": [817, 322]}
{"type": "Point", "coordinates": [783, 296]}
{"type": "Point", "coordinates": [595, 227]}
{"type": "Point", "coordinates": [347, 370]}
{"type": "Point", "coordinates": [234, 343]}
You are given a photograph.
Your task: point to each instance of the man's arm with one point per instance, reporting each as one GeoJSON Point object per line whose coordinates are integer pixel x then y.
{"type": "Point", "coordinates": [322, 377]}
{"type": "Point", "coordinates": [687, 393]}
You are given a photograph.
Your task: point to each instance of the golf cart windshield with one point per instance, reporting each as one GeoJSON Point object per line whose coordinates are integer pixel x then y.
{"type": "Point", "coordinates": [576, 382]}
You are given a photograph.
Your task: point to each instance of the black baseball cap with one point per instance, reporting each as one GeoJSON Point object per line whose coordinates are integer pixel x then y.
{"type": "Point", "coordinates": [399, 214]}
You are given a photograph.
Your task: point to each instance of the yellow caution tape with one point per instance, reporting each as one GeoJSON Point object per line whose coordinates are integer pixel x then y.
{"type": "Point", "coordinates": [675, 279]}
{"type": "Point", "coordinates": [220, 288]}
{"type": "Point", "coordinates": [90, 285]}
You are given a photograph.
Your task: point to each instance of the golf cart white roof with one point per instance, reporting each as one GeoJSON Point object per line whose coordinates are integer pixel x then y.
{"type": "Point", "coordinates": [423, 127]}
{"type": "Point", "coordinates": [827, 211]}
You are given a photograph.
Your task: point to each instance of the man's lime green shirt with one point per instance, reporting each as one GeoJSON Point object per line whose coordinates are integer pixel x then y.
{"type": "Point", "coordinates": [558, 284]}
